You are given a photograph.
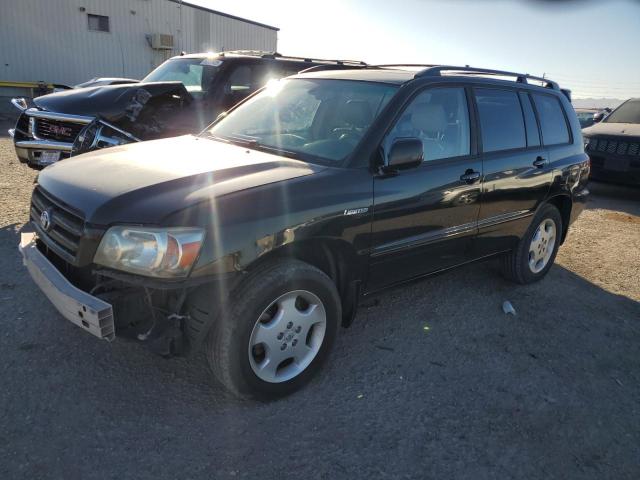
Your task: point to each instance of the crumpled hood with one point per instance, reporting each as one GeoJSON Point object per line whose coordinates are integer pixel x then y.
{"type": "Point", "coordinates": [613, 129]}
{"type": "Point", "coordinates": [110, 102]}
{"type": "Point", "coordinates": [146, 182]}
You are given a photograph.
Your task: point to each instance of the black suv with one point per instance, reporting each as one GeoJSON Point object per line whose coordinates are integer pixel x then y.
{"type": "Point", "coordinates": [258, 238]}
{"type": "Point", "coordinates": [183, 95]}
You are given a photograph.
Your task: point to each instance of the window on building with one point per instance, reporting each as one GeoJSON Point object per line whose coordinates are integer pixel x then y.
{"type": "Point", "coordinates": [440, 118]}
{"type": "Point", "coordinates": [552, 121]}
{"type": "Point", "coordinates": [501, 120]}
{"type": "Point", "coordinates": [98, 23]}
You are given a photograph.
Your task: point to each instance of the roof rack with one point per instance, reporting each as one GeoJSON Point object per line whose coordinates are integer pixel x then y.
{"type": "Point", "coordinates": [387, 65]}
{"type": "Point", "coordinates": [262, 54]}
{"type": "Point", "coordinates": [339, 65]}
{"type": "Point", "coordinates": [436, 71]}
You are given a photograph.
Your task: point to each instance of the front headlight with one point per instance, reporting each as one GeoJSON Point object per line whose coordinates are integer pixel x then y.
{"type": "Point", "coordinates": [154, 252]}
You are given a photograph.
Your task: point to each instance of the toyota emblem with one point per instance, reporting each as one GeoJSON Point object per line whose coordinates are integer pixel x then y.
{"type": "Point", "coordinates": [45, 220]}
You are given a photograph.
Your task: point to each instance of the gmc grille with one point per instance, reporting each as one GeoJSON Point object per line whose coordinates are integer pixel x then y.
{"type": "Point", "coordinates": [65, 230]}
{"type": "Point", "coordinates": [57, 130]}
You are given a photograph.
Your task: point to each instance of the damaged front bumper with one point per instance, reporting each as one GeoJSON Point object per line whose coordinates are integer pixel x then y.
{"type": "Point", "coordinates": [109, 303]}
{"type": "Point", "coordinates": [84, 310]}
{"type": "Point", "coordinates": [42, 138]}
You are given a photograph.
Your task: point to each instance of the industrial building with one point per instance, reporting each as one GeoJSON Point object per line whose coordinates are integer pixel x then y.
{"type": "Point", "coordinates": [71, 41]}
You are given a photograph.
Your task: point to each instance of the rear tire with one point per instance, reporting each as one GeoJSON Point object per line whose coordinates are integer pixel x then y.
{"type": "Point", "coordinates": [533, 257]}
{"type": "Point", "coordinates": [276, 331]}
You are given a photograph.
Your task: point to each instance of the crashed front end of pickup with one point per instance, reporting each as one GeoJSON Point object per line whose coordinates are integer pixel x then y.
{"type": "Point", "coordinates": [41, 137]}
{"type": "Point", "coordinates": [56, 126]}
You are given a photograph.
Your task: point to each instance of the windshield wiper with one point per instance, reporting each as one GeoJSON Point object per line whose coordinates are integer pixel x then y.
{"type": "Point", "coordinates": [275, 149]}
{"type": "Point", "coordinates": [233, 139]}
{"type": "Point", "coordinates": [253, 144]}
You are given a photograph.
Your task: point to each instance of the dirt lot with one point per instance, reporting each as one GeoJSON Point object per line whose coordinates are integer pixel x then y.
{"type": "Point", "coordinates": [434, 382]}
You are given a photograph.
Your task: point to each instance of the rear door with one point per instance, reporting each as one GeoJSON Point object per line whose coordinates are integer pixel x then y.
{"type": "Point", "coordinates": [517, 175]}
{"type": "Point", "coordinates": [425, 218]}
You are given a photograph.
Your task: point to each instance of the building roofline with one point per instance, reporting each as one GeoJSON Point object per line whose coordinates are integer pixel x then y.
{"type": "Point", "coordinates": [222, 14]}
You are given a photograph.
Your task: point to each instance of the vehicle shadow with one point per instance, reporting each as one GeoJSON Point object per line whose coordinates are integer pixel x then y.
{"type": "Point", "coordinates": [435, 365]}
{"type": "Point", "coordinates": [612, 196]}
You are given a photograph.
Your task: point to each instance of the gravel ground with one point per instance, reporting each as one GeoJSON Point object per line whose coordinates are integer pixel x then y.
{"type": "Point", "coordinates": [434, 381]}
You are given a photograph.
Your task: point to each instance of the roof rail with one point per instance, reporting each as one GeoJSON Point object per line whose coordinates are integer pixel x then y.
{"type": "Point", "coordinates": [436, 71]}
{"type": "Point", "coordinates": [386, 65]}
{"type": "Point", "coordinates": [261, 54]}
{"type": "Point", "coordinates": [341, 65]}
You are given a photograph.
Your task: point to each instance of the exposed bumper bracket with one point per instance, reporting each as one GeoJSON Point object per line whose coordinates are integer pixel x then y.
{"type": "Point", "coordinates": [86, 311]}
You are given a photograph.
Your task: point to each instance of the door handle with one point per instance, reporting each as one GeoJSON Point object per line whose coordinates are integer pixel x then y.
{"type": "Point", "coordinates": [539, 162]}
{"type": "Point", "coordinates": [470, 176]}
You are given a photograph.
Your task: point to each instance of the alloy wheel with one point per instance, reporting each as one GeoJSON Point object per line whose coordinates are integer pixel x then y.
{"type": "Point", "coordinates": [287, 336]}
{"type": "Point", "coordinates": [542, 245]}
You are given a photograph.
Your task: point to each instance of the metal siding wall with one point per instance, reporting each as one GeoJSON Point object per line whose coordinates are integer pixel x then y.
{"type": "Point", "coordinates": [49, 39]}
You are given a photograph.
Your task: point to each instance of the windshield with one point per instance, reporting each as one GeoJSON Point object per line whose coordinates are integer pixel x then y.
{"type": "Point", "coordinates": [318, 120]}
{"type": "Point", "coordinates": [628, 112]}
{"type": "Point", "coordinates": [195, 73]}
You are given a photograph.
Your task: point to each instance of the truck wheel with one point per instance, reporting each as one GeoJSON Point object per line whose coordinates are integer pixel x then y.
{"type": "Point", "coordinates": [276, 331]}
{"type": "Point", "coordinates": [532, 258]}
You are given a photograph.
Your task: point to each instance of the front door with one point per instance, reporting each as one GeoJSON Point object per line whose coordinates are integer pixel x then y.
{"type": "Point", "coordinates": [425, 218]}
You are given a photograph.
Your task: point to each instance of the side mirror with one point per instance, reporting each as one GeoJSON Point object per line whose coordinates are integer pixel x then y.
{"type": "Point", "coordinates": [597, 117]}
{"type": "Point", "coordinates": [405, 153]}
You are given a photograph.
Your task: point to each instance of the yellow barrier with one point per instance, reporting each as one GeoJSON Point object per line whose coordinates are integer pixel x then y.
{"type": "Point", "coordinates": [27, 85]}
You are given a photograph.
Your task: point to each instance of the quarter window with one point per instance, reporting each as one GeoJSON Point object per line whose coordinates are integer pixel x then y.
{"type": "Point", "coordinates": [440, 118]}
{"type": "Point", "coordinates": [501, 119]}
{"type": "Point", "coordinates": [552, 121]}
{"type": "Point", "coordinates": [98, 23]}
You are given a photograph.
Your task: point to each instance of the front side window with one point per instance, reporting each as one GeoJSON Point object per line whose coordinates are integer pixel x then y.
{"type": "Point", "coordinates": [552, 121]}
{"type": "Point", "coordinates": [196, 74]}
{"type": "Point", "coordinates": [319, 120]}
{"type": "Point", "coordinates": [628, 112]}
{"type": "Point", "coordinates": [243, 80]}
{"type": "Point", "coordinates": [501, 119]}
{"type": "Point", "coordinates": [440, 118]}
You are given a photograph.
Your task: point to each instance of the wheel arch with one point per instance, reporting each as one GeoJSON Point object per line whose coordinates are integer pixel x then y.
{"type": "Point", "coordinates": [564, 204]}
{"type": "Point", "coordinates": [336, 258]}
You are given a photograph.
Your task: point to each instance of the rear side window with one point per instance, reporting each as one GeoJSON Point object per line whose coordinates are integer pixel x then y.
{"type": "Point", "coordinates": [552, 121]}
{"type": "Point", "coordinates": [501, 119]}
{"type": "Point", "coordinates": [533, 136]}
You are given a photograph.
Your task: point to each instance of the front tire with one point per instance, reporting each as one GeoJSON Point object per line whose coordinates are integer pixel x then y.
{"type": "Point", "coordinates": [533, 257]}
{"type": "Point", "coordinates": [276, 331]}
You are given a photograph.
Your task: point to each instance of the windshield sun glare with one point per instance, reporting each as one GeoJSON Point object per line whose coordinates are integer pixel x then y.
{"type": "Point", "coordinates": [318, 120]}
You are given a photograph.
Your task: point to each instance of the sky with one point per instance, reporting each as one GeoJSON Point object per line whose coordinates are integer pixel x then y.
{"type": "Point", "coordinates": [590, 46]}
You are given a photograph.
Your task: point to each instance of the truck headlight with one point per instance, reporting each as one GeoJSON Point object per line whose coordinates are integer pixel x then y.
{"type": "Point", "coordinates": [154, 252]}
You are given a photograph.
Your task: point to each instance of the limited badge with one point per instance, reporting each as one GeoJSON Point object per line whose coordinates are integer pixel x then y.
{"type": "Point", "coordinates": [355, 211]}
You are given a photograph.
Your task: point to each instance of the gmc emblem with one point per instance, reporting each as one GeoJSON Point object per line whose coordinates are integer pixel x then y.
{"type": "Point", "coordinates": [60, 130]}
